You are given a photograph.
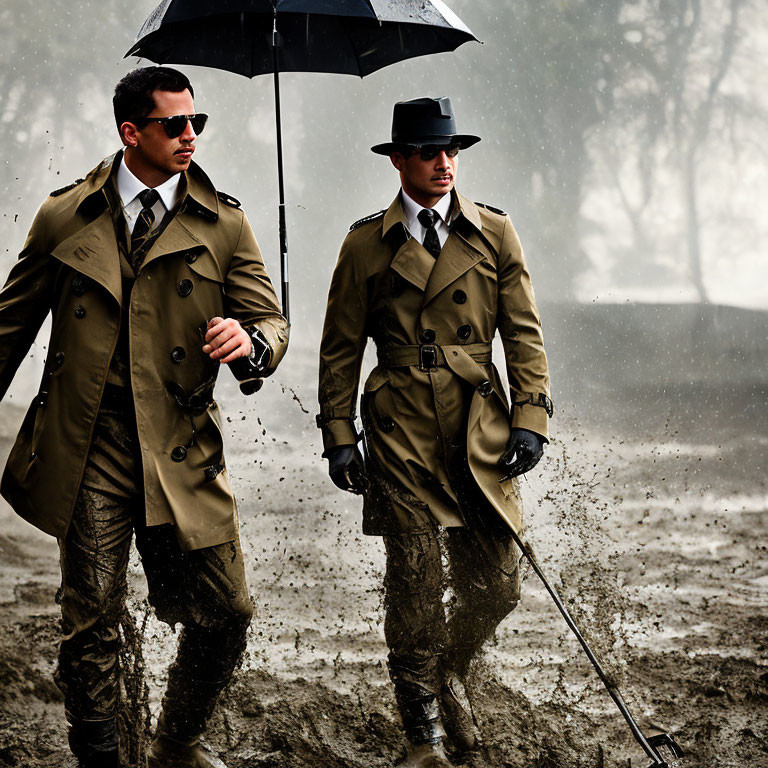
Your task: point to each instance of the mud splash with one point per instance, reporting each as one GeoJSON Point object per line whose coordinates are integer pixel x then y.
{"type": "Point", "coordinates": [656, 543]}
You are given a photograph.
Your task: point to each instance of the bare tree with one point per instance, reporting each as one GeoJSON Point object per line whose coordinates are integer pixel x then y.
{"type": "Point", "coordinates": [677, 59]}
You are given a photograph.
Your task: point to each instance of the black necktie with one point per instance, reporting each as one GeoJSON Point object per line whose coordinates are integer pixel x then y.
{"type": "Point", "coordinates": [428, 218]}
{"type": "Point", "coordinates": [143, 226]}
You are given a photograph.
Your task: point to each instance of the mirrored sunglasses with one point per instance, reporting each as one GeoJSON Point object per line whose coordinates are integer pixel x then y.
{"type": "Point", "coordinates": [176, 124]}
{"type": "Point", "coordinates": [431, 151]}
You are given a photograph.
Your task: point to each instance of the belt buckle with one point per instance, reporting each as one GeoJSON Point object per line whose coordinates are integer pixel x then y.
{"type": "Point", "coordinates": [427, 357]}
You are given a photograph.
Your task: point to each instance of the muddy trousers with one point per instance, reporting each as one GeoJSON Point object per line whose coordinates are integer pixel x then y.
{"type": "Point", "coordinates": [425, 641]}
{"type": "Point", "coordinates": [204, 590]}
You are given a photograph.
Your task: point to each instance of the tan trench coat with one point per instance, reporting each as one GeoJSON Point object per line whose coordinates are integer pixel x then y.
{"type": "Point", "coordinates": [424, 423]}
{"type": "Point", "coordinates": [205, 263]}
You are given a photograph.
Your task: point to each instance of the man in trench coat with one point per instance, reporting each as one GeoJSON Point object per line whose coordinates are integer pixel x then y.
{"type": "Point", "coordinates": [154, 279]}
{"type": "Point", "coordinates": [431, 280]}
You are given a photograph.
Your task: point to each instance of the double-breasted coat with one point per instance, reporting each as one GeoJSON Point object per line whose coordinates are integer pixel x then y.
{"type": "Point", "coordinates": [435, 415]}
{"type": "Point", "coordinates": [206, 263]}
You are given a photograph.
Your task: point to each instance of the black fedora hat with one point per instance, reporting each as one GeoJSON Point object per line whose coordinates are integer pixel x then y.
{"type": "Point", "coordinates": [424, 121]}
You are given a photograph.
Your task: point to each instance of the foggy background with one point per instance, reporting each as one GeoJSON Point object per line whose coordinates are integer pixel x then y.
{"type": "Point", "coordinates": [627, 140]}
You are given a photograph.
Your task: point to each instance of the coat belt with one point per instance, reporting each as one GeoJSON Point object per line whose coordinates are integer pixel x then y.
{"type": "Point", "coordinates": [429, 356]}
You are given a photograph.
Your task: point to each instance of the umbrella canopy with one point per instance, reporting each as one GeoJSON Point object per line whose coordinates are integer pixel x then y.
{"type": "Point", "coordinates": [353, 37]}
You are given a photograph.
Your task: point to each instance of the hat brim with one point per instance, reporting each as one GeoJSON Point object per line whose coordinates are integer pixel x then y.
{"type": "Point", "coordinates": [462, 140]}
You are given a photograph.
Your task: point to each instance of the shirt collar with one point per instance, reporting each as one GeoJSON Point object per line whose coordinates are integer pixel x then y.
{"type": "Point", "coordinates": [128, 187]}
{"type": "Point", "coordinates": [411, 209]}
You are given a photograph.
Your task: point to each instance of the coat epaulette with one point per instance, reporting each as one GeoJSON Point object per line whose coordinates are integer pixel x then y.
{"type": "Point", "coordinates": [366, 219]}
{"type": "Point", "coordinates": [228, 199]}
{"type": "Point", "coordinates": [57, 192]}
{"type": "Point", "coordinates": [491, 208]}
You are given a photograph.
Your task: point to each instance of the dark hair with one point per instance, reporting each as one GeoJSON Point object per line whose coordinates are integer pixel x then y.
{"type": "Point", "coordinates": [133, 94]}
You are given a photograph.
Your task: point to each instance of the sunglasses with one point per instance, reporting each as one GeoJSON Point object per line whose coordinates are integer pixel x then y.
{"type": "Point", "coordinates": [177, 124]}
{"type": "Point", "coordinates": [431, 151]}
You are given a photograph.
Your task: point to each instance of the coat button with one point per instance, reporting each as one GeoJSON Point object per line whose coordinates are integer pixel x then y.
{"type": "Point", "coordinates": [42, 399]}
{"type": "Point", "coordinates": [484, 388]}
{"type": "Point", "coordinates": [464, 332]}
{"type": "Point", "coordinates": [190, 257]}
{"type": "Point", "coordinates": [80, 312]}
{"type": "Point", "coordinates": [460, 297]}
{"type": "Point", "coordinates": [428, 336]}
{"type": "Point", "coordinates": [185, 288]}
{"type": "Point", "coordinates": [33, 455]}
{"type": "Point", "coordinates": [58, 361]}
{"type": "Point", "coordinates": [386, 425]}
{"type": "Point", "coordinates": [78, 285]}
{"type": "Point", "coordinates": [179, 453]}
{"type": "Point", "coordinates": [178, 354]}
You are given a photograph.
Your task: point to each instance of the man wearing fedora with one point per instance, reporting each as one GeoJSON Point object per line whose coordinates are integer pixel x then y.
{"type": "Point", "coordinates": [430, 280]}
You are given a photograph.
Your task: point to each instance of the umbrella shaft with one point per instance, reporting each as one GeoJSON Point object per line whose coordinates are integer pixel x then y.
{"type": "Point", "coordinates": [280, 183]}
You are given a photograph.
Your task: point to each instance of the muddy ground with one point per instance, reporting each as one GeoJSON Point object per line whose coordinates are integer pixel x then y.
{"type": "Point", "coordinates": [648, 512]}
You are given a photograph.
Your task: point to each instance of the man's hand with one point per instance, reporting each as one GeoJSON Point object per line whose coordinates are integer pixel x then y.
{"type": "Point", "coordinates": [226, 340]}
{"type": "Point", "coordinates": [346, 468]}
{"type": "Point", "coordinates": [523, 451]}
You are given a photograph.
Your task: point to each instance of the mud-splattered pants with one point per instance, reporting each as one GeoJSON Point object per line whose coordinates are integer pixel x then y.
{"type": "Point", "coordinates": [479, 564]}
{"type": "Point", "coordinates": [204, 590]}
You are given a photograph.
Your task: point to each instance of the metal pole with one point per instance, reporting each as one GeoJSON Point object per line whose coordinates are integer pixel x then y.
{"type": "Point", "coordinates": [527, 550]}
{"type": "Point", "coordinates": [281, 187]}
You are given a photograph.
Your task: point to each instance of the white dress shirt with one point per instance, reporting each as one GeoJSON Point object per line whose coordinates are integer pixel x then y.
{"type": "Point", "coordinates": [128, 187]}
{"type": "Point", "coordinates": [411, 209]}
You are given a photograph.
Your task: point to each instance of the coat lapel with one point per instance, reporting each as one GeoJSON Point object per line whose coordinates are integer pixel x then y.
{"type": "Point", "coordinates": [411, 261]}
{"type": "Point", "coordinates": [462, 250]}
{"type": "Point", "coordinates": [92, 250]}
{"type": "Point", "coordinates": [177, 236]}
{"type": "Point", "coordinates": [456, 258]}
{"type": "Point", "coordinates": [200, 203]}
{"type": "Point", "coordinates": [414, 263]}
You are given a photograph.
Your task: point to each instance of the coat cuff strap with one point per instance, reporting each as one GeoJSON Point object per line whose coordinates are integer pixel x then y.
{"type": "Point", "coordinates": [531, 410]}
{"type": "Point", "coordinates": [337, 430]}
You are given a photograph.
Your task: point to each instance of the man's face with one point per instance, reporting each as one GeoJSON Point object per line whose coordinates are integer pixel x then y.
{"type": "Point", "coordinates": [152, 155]}
{"type": "Point", "coordinates": [426, 181]}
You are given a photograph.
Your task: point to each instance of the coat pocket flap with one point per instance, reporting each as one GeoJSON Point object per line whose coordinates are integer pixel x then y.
{"type": "Point", "coordinates": [376, 380]}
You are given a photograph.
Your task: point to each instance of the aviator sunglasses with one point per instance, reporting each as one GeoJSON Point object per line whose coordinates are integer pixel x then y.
{"type": "Point", "coordinates": [431, 151]}
{"type": "Point", "coordinates": [176, 124]}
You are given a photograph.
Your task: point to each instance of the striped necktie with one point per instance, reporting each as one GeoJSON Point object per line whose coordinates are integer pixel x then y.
{"type": "Point", "coordinates": [143, 226]}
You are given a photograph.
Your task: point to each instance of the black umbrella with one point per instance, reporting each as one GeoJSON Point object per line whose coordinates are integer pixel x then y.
{"type": "Point", "coordinates": [255, 37]}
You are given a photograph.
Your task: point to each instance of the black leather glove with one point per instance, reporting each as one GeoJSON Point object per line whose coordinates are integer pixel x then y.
{"type": "Point", "coordinates": [523, 451]}
{"type": "Point", "coordinates": [346, 468]}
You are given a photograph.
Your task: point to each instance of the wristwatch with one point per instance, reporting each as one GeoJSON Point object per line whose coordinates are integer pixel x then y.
{"type": "Point", "coordinates": [261, 353]}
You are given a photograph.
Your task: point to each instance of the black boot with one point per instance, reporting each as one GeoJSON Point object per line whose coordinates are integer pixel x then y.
{"type": "Point", "coordinates": [169, 751]}
{"type": "Point", "coordinates": [187, 705]}
{"type": "Point", "coordinates": [457, 714]}
{"type": "Point", "coordinates": [93, 742]}
{"type": "Point", "coordinates": [421, 722]}
{"type": "Point", "coordinates": [203, 668]}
